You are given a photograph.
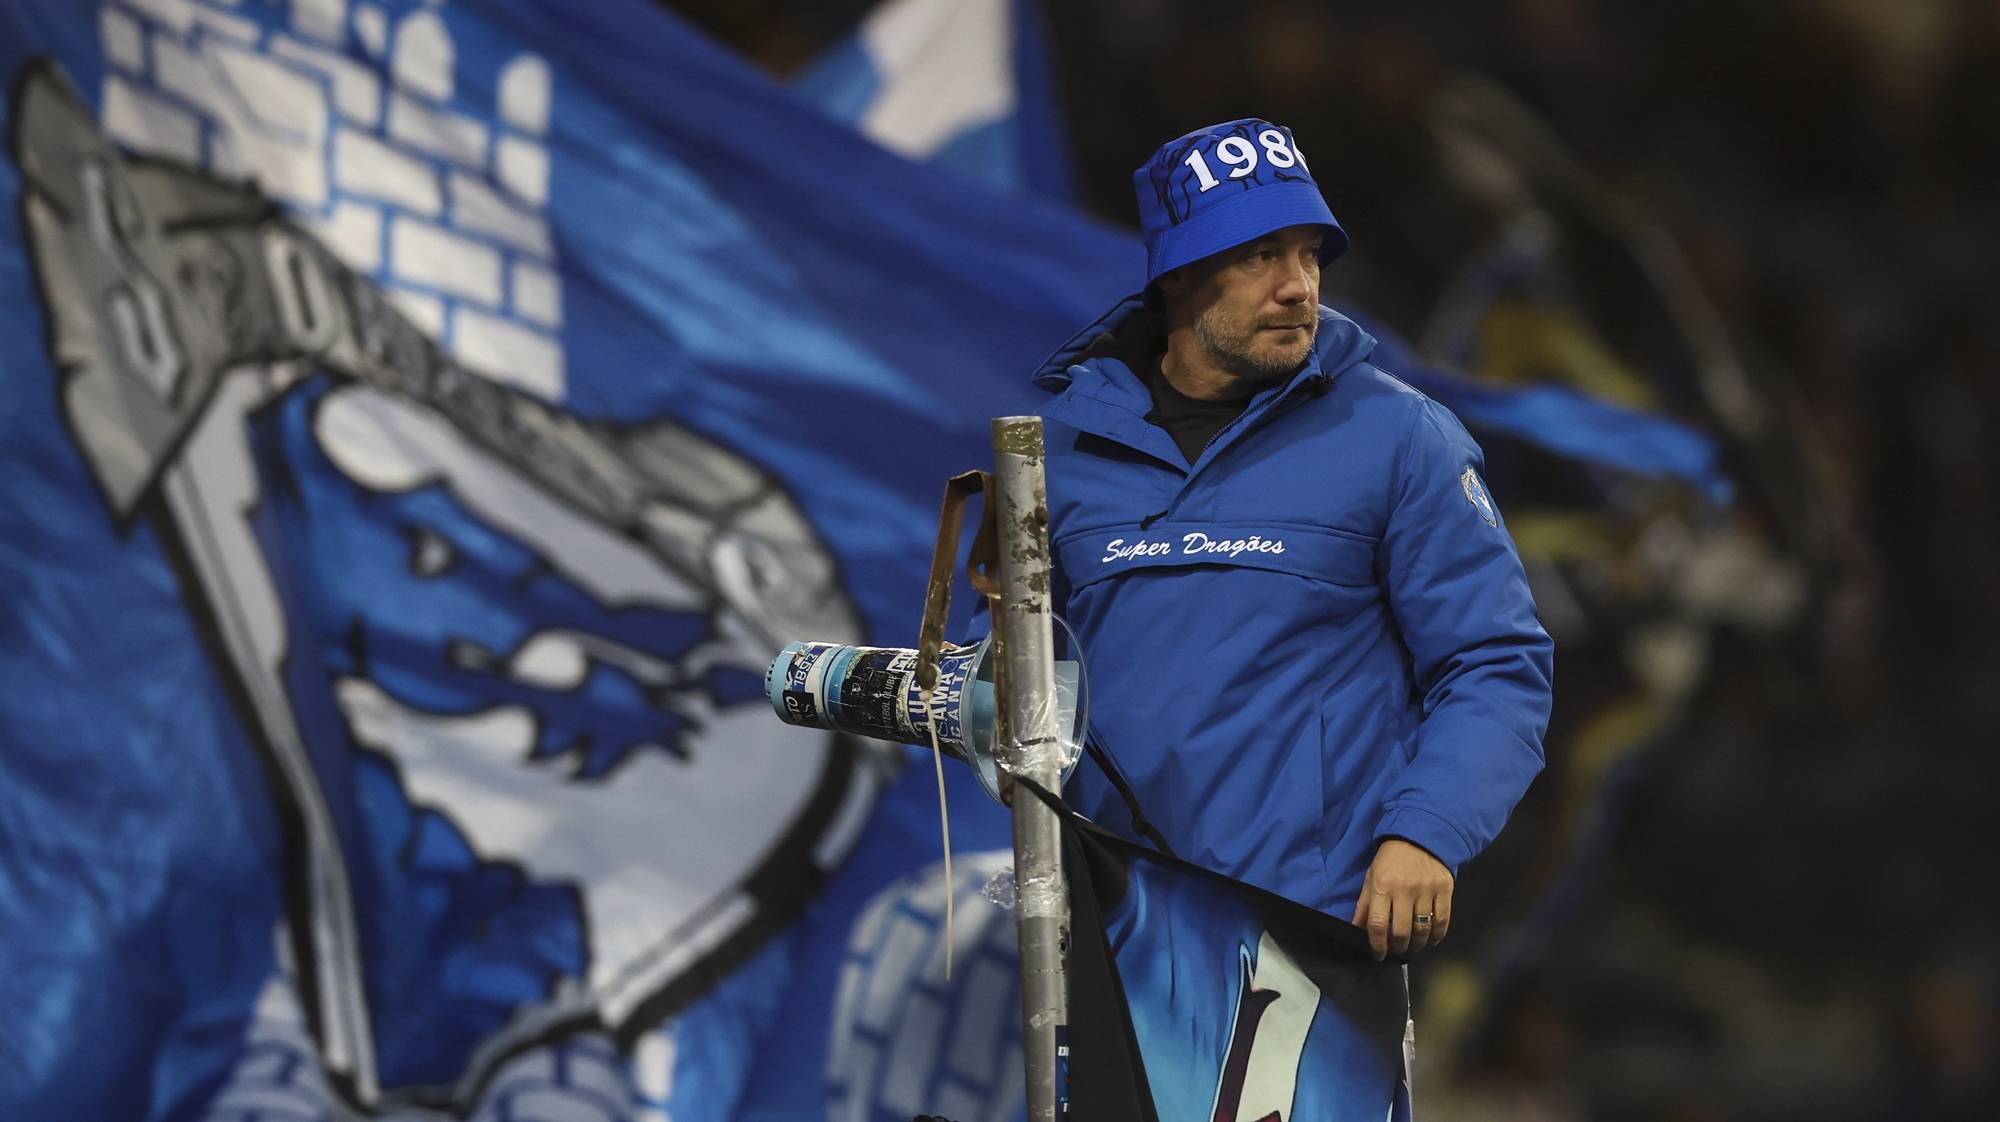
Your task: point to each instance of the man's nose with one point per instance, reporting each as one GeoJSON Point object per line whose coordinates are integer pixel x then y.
{"type": "Point", "coordinates": [1301, 283]}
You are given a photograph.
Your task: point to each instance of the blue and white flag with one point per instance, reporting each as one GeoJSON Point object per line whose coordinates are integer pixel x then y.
{"type": "Point", "coordinates": [424, 421]}
{"type": "Point", "coordinates": [1193, 996]}
{"type": "Point", "coordinates": [1564, 422]}
{"type": "Point", "coordinates": [963, 84]}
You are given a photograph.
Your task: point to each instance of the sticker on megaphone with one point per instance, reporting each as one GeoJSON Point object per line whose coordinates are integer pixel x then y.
{"type": "Point", "coordinates": [873, 692]}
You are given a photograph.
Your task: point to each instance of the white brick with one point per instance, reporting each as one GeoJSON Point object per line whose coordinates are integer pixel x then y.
{"type": "Point", "coordinates": [537, 294]}
{"type": "Point", "coordinates": [507, 351]}
{"type": "Point", "coordinates": [420, 253]}
{"type": "Point", "coordinates": [325, 20]}
{"type": "Point", "coordinates": [182, 16]}
{"type": "Point", "coordinates": [223, 159]}
{"type": "Point", "coordinates": [236, 27]}
{"type": "Point", "coordinates": [357, 92]}
{"type": "Point", "coordinates": [124, 43]}
{"type": "Point", "coordinates": [275, 116]}
{"type": "Point", "coordinates": [177, 71]}
{"type": "Point", "coordinates": [867, 1070]}
{"type": "Point", "coordinates": [424, 310]}
{"type": "Point", "coordinates": [175, 14]}
{"type": "Point", "coordinates": [372, 28]}
{"type": "Point", "coordinates": [149, 123]}
{"type": "Point", "coordinates": [354, 233]}
{"type": "Point", "coordinates": [267, 92]}
{"type": "Point", "coordinates": [524, 94]}
{"type": "Point", "coordinates": [524, 169]}
{"type": "Point", "coordinates": [915, 1046]}
{"type": "Point", "coordinates": [423, 57]}
{"type": "Point", "coordinates": [482, 210]}
{"type": "Point", "coordinates": [455, 136]}
{"type": "Point", "coordinates": [367, 166]}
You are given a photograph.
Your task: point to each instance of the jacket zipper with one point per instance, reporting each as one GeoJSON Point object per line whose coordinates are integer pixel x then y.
{"type": "Point", "coordinates": [1269, 410]}
{"type": "Point", "coordinates": [1314, 384]}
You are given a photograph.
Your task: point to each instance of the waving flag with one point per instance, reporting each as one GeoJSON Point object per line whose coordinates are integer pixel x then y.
{"type": "Point", "coordinates": [423, 424]}
{"type": "Point", "coordinates": [963, 84]}
{"type": "Point", "coordinates": [1563, 422]}
{"type": "Point", "coordinates": [1193, 996]}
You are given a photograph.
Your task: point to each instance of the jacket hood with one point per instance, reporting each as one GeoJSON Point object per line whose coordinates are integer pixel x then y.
{"type": "Point", "coordinates": [1130, 336]}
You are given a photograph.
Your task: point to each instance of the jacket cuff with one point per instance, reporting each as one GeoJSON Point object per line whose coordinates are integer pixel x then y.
{"type": "Point", "coordinates": [1429, 829]}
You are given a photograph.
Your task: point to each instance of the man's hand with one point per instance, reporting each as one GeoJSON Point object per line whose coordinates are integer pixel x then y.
{"type": "Point", "coordinates": [1406, 900]}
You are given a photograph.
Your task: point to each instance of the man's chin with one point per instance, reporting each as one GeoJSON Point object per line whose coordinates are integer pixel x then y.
{"type": "Point", "coordinates": [1279, 361]}
{"type": "Point", "coordinates": [1262, 358]}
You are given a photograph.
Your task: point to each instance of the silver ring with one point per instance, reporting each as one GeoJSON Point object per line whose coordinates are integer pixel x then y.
{"type": "Point", "coordinates": [1423, 920]}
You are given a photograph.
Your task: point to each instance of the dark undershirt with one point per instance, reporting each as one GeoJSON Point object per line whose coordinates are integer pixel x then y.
{"type": "Point", "coordinates": [1191, 421]}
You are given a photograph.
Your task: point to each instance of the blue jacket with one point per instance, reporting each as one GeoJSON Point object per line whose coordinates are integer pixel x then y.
{"type": "Point", "coordinates": [1316, 637]}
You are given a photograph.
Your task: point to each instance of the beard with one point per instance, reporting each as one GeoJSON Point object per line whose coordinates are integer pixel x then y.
{"type": "Point", "coordinates": [1239, 346]}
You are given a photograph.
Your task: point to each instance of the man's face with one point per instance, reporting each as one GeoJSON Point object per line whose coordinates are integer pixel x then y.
{"type": "Point", "coordinates": [1255, 307]}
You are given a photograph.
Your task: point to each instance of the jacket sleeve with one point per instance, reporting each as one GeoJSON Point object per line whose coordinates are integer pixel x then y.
{"type": "Point", "coordinates": [1480, 659]}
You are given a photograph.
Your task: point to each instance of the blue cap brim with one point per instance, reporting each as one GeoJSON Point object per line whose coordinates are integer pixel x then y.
{"type": "Point", "coordinates": [1250, 215]}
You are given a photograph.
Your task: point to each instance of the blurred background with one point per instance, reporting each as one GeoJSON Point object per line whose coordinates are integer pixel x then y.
{"type": "Point", "coordinates": [1748, 885]}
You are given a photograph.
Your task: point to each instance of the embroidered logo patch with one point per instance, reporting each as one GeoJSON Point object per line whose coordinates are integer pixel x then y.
{"type": "Point", "coordinates": [1192, 545]}
{"type": "Point", "coordinates": [1475, 493]}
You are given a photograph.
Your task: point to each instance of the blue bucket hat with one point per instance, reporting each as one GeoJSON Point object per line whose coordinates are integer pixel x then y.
{"type": "Point", "coordinates": [1224, 185]}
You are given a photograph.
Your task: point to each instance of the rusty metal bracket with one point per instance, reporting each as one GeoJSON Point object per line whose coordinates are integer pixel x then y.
{"type": "Point", "coordinates": [982, 568]}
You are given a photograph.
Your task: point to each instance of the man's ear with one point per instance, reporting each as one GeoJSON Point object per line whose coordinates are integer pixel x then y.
{"type": "Point", "coordinates": [1173, 280]}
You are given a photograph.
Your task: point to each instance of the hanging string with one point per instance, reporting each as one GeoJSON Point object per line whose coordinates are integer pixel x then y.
{"type": "Point", "coordinates": [944, 825]}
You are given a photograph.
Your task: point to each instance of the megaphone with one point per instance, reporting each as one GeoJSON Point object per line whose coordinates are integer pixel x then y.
{"type": "Point", "coordinates": [873, 692]}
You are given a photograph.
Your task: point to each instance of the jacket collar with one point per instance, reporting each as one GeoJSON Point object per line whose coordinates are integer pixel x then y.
{"type": "Point", "coordinates": [1097, 375]}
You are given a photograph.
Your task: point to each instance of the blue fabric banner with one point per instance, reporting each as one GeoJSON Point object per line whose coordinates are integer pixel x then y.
{"type": "Point", "coordinates": [962, 84]}
{"type": "Point", "coordinates": [423, 424]}
{"type": "Point", "coordinates": [1195, 996]}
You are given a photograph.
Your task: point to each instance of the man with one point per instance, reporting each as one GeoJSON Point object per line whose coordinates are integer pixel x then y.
{"type": "Point", "coordinates": [1313, 650]}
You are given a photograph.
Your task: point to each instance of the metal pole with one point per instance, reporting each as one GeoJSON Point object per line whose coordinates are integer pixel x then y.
{"type": "Point", "coordinates": [1030, 746]}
